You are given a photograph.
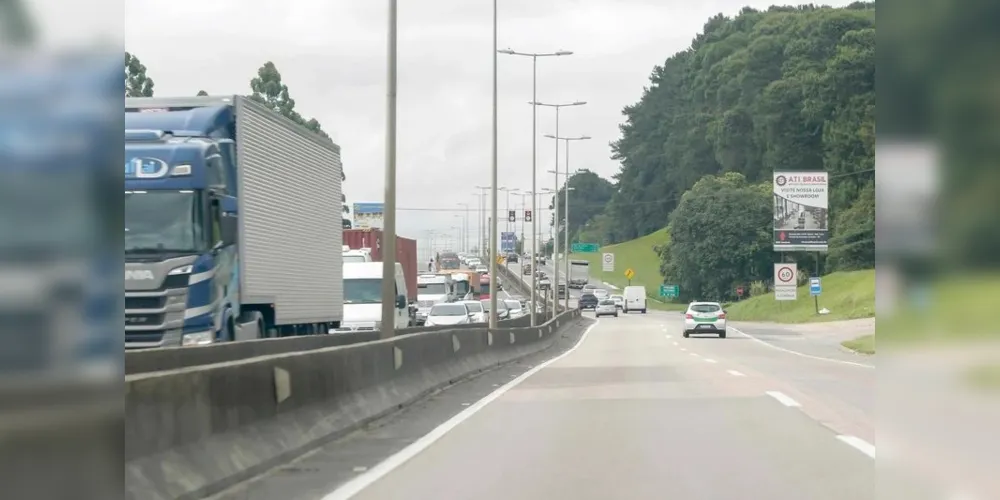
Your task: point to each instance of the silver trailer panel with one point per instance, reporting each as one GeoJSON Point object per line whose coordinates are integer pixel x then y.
{"type": "Point", "coordinates": [290, 217]}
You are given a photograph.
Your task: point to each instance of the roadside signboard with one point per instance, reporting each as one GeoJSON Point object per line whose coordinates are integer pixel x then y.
{"type": "Point", "coordinates": [608, 262]}
{"type": "Point", "coordinates": [670, 291]}
{"type": "Point", "coordinates": [801, 211]}
{"type": "Point", "coordinates": [369, 215]}
{"type": "Point", "coordinates": [629, 274]}
{"type": "Point", "coordinates": [500, 259]}
{"type": "Point", "coordinates": [585, 248]}
{"type": "Point", "coordinates": [508, 242]}
{"type": "Point", "coordinates": [785, 281]}
{"type": "Point", "coordinates": [815, 286]}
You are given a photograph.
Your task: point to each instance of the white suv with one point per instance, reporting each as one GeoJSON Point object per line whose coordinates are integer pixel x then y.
{"type": "Point", "coordinates": [705, 317]}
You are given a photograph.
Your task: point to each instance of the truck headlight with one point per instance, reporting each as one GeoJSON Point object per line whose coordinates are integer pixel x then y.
{"type": "Point", "coordinates": [198, 338]}
{"type": "Point", "coordinates": [181, 270]}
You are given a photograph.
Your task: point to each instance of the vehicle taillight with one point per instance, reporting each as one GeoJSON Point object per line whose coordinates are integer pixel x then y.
{"type": "Point", "coordinates": [722, 316]}
{"type": "Point", "coordinates": [688, 316]}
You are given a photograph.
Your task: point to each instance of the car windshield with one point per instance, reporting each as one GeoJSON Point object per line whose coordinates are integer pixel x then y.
{"type": "Point", "coordinates": [474, 307]}
{"type": "Point", "coordinates": [617, 297]}
{"type": "Point", "coordinates": [449, 310]}
{"type": "Point", "coordinates": [512, 304]}
{"type": "Point", "coordinates": [354, 258]}
{"type": "Point", "coordinates": [363, 291]}
{"type": "Point", "coordinates": [500, 305]}
{"type": "Point", "coordinates": [705, 308]}
{"type": "Point", "coordinates": [164, 221]}
{"type": "Point", "coordinates": [432, 289]}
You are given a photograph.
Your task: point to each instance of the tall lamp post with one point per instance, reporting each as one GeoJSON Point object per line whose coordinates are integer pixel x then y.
{"type": "Point", "coordinates": [387, 327]}
{"type": "Point", "coordinates": [555, 240]}
{"type": "Point", "coordinates": [566, 204]}
{"type": "Point", "coordinates": [465, 228]}
{"type": "Point", "coordinates": [483, 243]}
{"type": "Point", "coordinates": [534, 137]}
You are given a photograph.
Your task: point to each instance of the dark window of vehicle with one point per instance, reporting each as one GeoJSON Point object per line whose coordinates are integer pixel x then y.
{"type": "Point", "coordinates": [474, 307]}
{"type": "Point", "coordinates": [607, 302]}
{"type": "Point", "coordinates": [588, 296]}
{"type": "Point", "coordinates": [705, 308]}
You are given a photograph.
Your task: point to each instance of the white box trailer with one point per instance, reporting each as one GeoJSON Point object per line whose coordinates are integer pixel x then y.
{"type": "Point", "coordinates": [290, 203]}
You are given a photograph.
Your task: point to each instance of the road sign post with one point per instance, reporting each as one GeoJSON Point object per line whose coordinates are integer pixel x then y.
{"type": "Point", "coordinates": [785, 281]}
{"type": "Point", "coordinates": [585, 248]}
{"type": "Point", "coordinates": [608, 262]}
{"type": "Point", "coordinates": [815, 289]}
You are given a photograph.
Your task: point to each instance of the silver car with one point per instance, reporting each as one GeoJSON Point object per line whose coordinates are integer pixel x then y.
{"type": "Point", "coordinates": [606, 307]}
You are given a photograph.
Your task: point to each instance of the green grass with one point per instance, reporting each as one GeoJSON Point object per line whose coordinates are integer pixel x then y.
{"type": "Point", "coordinates": [985, 377]}
{"type": "Point", "coordinates": [848, 295]}
{"type": "Point", "coordinates": [864, 345]}
{"type": "Point", "coordinates": [640, 256]}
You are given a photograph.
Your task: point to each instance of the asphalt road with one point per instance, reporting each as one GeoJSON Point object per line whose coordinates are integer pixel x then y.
{"type": "Point", "coordinates": [633, 411]}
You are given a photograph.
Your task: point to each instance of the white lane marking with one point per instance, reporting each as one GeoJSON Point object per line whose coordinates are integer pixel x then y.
{"type": "Point", "coordinates": [683, 349]}
{"type": "Point", "coordinates": [859, 444]}
{"type": "Point", "coordinates": [783, 399]}
{"type": "Point", "coordinates": [668, 336]}
{"type": "Point", "coordinates": [675, 343]}
{"type": "Point", "coordinates": [359, 483]}
{"type": "Point", "coordinates": [736, 373]}
{"type": "Point", "coordinates": [693, 354]}
{"type": "Point", "coordinates": [797, 353]}
{"type": "Point", "coordinates": [710, 360]}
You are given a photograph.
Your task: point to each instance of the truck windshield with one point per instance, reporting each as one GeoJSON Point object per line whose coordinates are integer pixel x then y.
{"type": "Point", "coordinates": [36, 213]}
{"type": "Point", "coordinates": [354, 258]}
{"type": "Point", "coordinates": [432, 289]}
{"type": "Point", "coordinates": [462, 288]}
{"type": "Point", "coordinates": [163, 221]}
{"type": "Point", "coordinates": [363, 291]}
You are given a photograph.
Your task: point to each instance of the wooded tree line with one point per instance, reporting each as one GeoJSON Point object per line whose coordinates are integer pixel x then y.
{"type": "Point", "coordinates": [790, 88]}
{"type": "Point", "coordinates": [266, 88]}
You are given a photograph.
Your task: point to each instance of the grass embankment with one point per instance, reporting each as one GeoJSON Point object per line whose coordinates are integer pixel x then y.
{"type": "Point", "coordinates": [863, 345]}
{"type": "Point", "coordinates": [848, 295]}
{"type": "Point", "coordinates": [956, 308]}
{"type": "Point", "coordinates": [640, 256]}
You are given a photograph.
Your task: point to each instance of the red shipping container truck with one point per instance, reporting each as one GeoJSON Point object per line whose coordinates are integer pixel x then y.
{"type": "Point", "coordinates": [406, 253]}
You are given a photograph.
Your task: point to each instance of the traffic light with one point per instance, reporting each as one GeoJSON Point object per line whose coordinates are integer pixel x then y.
{"type": "Point", "coordinates": [527, 216]}
{"type": "Point", "coordinates": [512, 216]}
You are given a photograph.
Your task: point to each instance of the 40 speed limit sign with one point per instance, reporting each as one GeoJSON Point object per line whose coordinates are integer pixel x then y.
{"type": "Point", "coordinates": [785, 281]}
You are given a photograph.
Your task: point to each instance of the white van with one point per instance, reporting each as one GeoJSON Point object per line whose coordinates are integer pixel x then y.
{"type": "Point", "coordinates": [363, 297]}
{"type": "Point", "coordinates": [361, 255]}
{"type": "Point", "coordinates": [635, 299]}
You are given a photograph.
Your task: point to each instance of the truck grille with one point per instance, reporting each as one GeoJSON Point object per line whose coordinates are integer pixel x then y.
{"type": "Point", "coordinates": [145, 302]}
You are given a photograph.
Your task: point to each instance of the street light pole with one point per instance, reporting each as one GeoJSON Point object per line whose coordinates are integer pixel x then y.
{"type": "Point", "coordinates": [493, 210]}
{"type": "Point", "coordinates": [387, 327]}
{"type": "Point", "coordinates": [534, 136]}
{"type": "Point", "coordinates": [555, 220]}
{"type": "Point", "coordinates": [482, 244]}
{"type": "Point", "coordinates": [566, 205]}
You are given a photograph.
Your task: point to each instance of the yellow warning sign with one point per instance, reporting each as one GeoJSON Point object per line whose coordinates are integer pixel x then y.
{"type": "Point", "coordinates": [629, 273]}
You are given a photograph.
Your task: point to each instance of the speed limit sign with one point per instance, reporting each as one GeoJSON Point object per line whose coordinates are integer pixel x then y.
{"type": "Point", "coordinates": [785, 281]}
{"type": "Point", "coordinates": [608, 262]}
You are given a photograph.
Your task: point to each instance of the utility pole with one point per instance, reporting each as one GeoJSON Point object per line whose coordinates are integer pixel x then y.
{"type": "Point", "coordinates": [387, 328]}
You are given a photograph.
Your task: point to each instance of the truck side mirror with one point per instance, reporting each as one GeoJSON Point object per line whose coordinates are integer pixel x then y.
{"type": "Point", "coordinates": [229, 229]}
{"type": "Point", "coordinates": [401, 302]}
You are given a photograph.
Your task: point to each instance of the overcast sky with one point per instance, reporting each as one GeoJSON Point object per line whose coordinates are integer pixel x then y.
{"type": "Point", "coordinates": [332, 56]}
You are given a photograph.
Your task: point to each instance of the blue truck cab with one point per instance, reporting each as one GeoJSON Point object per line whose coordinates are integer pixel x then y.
{"type": "Point", "coordinates": [181, 259]}
{"type": "Point", "coordinates": [231, 223]}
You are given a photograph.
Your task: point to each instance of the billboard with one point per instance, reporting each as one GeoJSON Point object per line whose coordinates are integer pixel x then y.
{"type": "Point", "coordinates": [368, 215]}
{"type": "Point", "coordinates": [508, 242]}
{"type": "Point", "coordinates": [801, 211]}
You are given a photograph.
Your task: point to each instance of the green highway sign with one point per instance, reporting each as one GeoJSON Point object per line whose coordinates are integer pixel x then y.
{"type": "Point", "coordinates": [585, 248]}
{"type": "Point", "coordinates": [670, 291]}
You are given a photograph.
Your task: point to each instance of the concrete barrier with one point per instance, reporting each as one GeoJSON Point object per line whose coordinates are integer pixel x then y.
{"type": "Point", "coordinates": [172, 358]}
{"type": "Point", "coordinates": [193, 432]}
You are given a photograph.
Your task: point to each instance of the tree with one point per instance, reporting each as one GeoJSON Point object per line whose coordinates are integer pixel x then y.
{"type": "Point", "coordinates": [720, 237]}
{"type": "Point", "coordinates": [268, 89]}
{"type": "Point", "coordinates": [588, 196]}
{"type": "Point", "coordinates": [790, 88]}
{"type": "Point", "coordinates": [202, 93]}
{"type": "Point", "coordinates": [137, 83]}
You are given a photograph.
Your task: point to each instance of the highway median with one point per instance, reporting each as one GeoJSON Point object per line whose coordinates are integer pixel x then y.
{"type": "Point", "coordinates": [195, 431]}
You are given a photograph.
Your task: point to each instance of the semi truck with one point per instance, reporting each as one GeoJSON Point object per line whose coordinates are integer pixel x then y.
{"type": "Point", "coordinates": [370, 241]}
{"type": "Point", "coordinates": [579, 273]}
{"type": "Point", "coordinates": [228, 223]}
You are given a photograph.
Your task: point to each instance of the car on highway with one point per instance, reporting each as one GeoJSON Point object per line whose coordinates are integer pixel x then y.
{"type": "Point", "coordinates": [526, 269]}
{"type": "Point", "coordinates": [601, 293]}
{"type": "Point", "coordinates": [562, 290]}
{"type": "Point", "coordinates": [448, 314]}
{"type": "Point", "coordinates": [516, 310]}
{"type": "Point", "coordinates": [481, 269]}
{"type": "Point", "coordinates": [512, 257]}
{"type": "Point", "coordinates": [606, 307]}
{"type": "Point", "coordinates": [589, 288]}
{"type": "Point", "coordinates": [476, 312]}
{"type": "Point", "coordinates": [619, 301]}
{"type": "Point", "coordinates": [502, 311]}
{"type": "Point", "coordinates": [705, 317]}
{"type": "Point", "coordinates": [587, 301]}
{"type": "Point", "coordinates": [635, 299]}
